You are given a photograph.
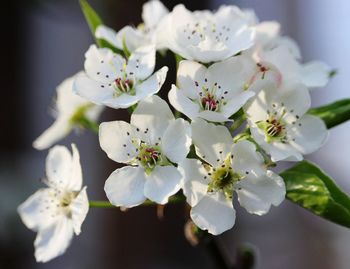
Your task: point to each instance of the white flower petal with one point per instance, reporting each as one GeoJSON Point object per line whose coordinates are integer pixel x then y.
{"type": "Point", "coordinates": [163, 182]}
{"type": "Point", "coordinates": [152, 115]}
{"type": "Point", "coordinates": [195, 180]}
{"type": "Point", "coordinates": [116, 140]}
{"type": "Point", "coordinates": [256, 194]}
{"type": "Point", "coordinates": [237, 102]}
{"type": "Point", "coordinates": [213, 143]}
{"type": "Point", "coordinates": [79, 208]}
{"type": "Point", "coordinates": [96, 92]}
{"type": "Point", "coordinates": [212, 116]}
{"type": "Point", "coordinates": [94, 112]}
{"type": "Point", "coordinates": [33, 211]}
{"type": "Point", "coordinates": [125, 186]}
{"type": "Point", "coordinates": [54, 240]}
{"type": "Point", "coordinates": [232, 74]}
{"type": "Point", "coordinates": [59, 167]}
{"type": "Point", "coordinates": [250, 16]}
{"type": "Point", "coordinates": [315, 74]}
{"type": "Point", "coordinates": [57, 131]}
{"type": "Point", "coordinates": [141, 62]}
{"type": "Point", "coordinates": [133, 38]}
{"type": "Point", "coordinates": [285, 62]}
{"type": "Point", "coordinates": [152, 85]}
{"type": "Point", "coordinates": [76, 179]}
{"type": "Point", "coordinates": [247, 159]}
{"type": "Point", "coordinates": [214, 213]}
{"type": "Point", "coordinates": [188, 74]}
{"type": "Point", "coordinates": [182, 103]}
{"type": "Point", "coordinates": [309, 134]}
{"type": "Point", "coordinates": [67, 105]}
{"type": "Point", "coordinates": [265, 80]}
{"type": "Point", "coordinates": [123, 101]}
{"type": "Point", "coordinates": [287, 42]}
{"type": "Point", "coordinates": [257, 109]}
{"type": "Point", "coordinates": [266, 31]}
{"type": "Point", "coordinates": [277, 150]}
{"type": "Point", "coordinates": [192, 36]}
{"type": "Point", "coordinates": [152, 13]}
{"type": "Point", "coordinates": [217, 53]}
{"type": "Point", "coordinates": [242, 41]}
{"type": "Point", "coordinates": [102, 93]}
{"type": "Point", "coordinates": [161, 33]}
{"type": "Point", "coordinates": [296, 99]}
{"type": "Point", "coordinates": [176, 140]}
{"type": "Point", "coordinates": [108, 34]}
{"type": "Point", "coordinates": [102, 65]}
{"type": "Point", "coordinates": [67, 101]}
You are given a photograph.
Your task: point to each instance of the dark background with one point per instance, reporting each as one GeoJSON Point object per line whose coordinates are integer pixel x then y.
{"type": "Point", "coordinates": [43, 42]}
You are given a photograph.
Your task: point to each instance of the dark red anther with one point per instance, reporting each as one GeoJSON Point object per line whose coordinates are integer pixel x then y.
{"type": "Point", "coordinates": [209, 103]}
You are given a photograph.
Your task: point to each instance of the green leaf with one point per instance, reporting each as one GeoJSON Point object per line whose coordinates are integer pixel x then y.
{"type": "Point", "coordinates": [94, 20]}
{"type": "Point", "coordinates": [334, 113]}
{"type": "Point", "coordinates": [308, 186]}
{"type": "Point", "coordinates": [91, 17]}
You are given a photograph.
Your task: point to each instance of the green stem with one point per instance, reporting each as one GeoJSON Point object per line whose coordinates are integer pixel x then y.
{"type": "Point", "coordinates": [216, 253]}
{"type": "Point", "coordinates": [176, 199]}
{"type": "Point", "coordinates": [131, 109]}
{"type": "Point", "coordinates": [89, 124]}
{"type": "Point", "coordinates": [178, 59]}
{"type": "Point", "coordinates": [237, 123]}
{"type": "Point", "coordinates": [101, 204]}
{"type": "Point", "coordinates": [239, 118]}
{"type": "Point", "coordinates": [177, 114]}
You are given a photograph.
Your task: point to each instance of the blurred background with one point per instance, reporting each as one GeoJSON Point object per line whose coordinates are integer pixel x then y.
{"type": "Point", "coordinates": [43, 42]}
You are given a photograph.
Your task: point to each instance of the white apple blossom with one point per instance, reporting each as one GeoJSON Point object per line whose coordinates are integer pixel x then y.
{"type": "Point", "coordinates": [116, 82]}
{"type": "Point", "coordinates": [205, 36]}
{"type": "Point", "coordinates": [214, 93]}
{"type": "Point", "coordinates": [276, 53]}
{"type": "Point", "coordinates": [268, 35]}
{"type": "Point", "coordinates": [278, 123]}
{"type": "Point", "coordinates": [279, 56]}
{"type": "Point", "coordinates": [312, 74]}
{"type": "Point", "coordinates": [57, 211]}
{"type": "Point", "coordinates": [153, 12]}
{"type": "Point", "coordinates": [72, 111]}
{"type": "Point", "coordinates": [228, 167]}
{"type": "Point", "coordinates": [150, 146]}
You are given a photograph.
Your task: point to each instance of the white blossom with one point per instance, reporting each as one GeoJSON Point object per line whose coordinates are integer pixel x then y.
{"type": "Point", "coordinates": [279, 56]}
{"type": "Point", "coordinates": [57, 211]}
{"type": "Point", "coordinates": [279, 123]}
{"type": "Point", "coordinates": [71, 109]}
{"type": "Point", "coordinates": [214, 93]}
{"type": "Point", "coordinates": [113, 81]}
{"type": "Point", "coordinates": [312, 74]}
{"type": "Point", "coordinates": [153, 13]}
{"type": "Point", "coordinates": [227, 168]}
{"type": "Point", "coordinates": [205, 36]}
{"type": "Point", "coordinates": [150, 146]}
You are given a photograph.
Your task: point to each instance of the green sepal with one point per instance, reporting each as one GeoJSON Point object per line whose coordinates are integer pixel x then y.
{"type": "Point", "coordinates": [80, 120]}
{"type": "Point", "coordinates": [126, 50]}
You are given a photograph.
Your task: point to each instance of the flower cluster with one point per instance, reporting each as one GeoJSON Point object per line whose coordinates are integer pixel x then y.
{"type": "Point", "coordinates": [241, 98]}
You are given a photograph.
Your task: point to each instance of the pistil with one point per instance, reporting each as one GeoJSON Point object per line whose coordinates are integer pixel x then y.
{"type": "Point", "coordinates": [124, 85]}
{"type": "Point", "coordinates": [223, 178]}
